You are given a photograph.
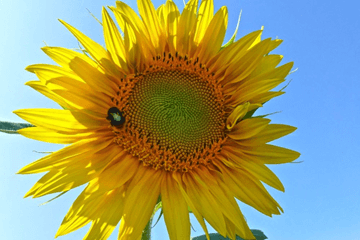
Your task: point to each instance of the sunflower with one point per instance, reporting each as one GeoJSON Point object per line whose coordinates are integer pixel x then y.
{"type": "Point", "coordinates": [163, 112]}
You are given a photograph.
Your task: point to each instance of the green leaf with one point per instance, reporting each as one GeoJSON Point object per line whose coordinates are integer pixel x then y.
{"type": "Point", "coordinates": [57, 196]}
{"type": "Point", "coordinates": [263, 116]}
{"type": "Point", "coordinates": [232, 39]}
{"type": "Point", "coordinates": [94, 17]}
{"type": "Point", "coordinates": [250, 113]}
{"type": "Point", "coordinates": [11, 128]}
{"type": "Point", "coordinates": [259, 235]}
{"type": "Point", "coordinates": [157, 207]}
{"type": "Point", "coordinates": [189, 209]}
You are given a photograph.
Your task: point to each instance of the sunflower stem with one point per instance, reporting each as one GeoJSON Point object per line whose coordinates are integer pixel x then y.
{"type": "Point", "coordinates": [146, 234]}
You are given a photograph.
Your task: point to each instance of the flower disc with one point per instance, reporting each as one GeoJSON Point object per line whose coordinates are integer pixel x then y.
{"type": "Point", "coordinates": [178, 112]}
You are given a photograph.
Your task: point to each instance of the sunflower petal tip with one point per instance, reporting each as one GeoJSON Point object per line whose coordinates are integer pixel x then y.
{"type": "Point", "coordinates": [28, 83]}
{"type": "Point", "coordinates": [104, 11]}
{"type": "Point", "coordinates": [17, 111]}
{"type": "Point", "coordinates": [25, 169]}
{"type": "Point", "coordinates": [58, 233]}
{"type": "Point", "coordinates": [28, 194]}
{"type": "Point", "coordinates": [28, 68]}
{"type": "Point", "coordinates": [64, 23]}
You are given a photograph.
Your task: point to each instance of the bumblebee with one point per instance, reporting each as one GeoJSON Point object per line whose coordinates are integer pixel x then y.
{"type": "Point", "coordinates": [115, 116]}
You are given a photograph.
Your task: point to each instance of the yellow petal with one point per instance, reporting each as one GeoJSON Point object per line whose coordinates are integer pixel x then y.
{"type": "Point", "coordinates": [230, 229]}
{"type": "Point", "coordinates": [88, 208]}
{"type": "Point", "coordinates": [82, 149]}
{"type": "Point", "coordinates": [123, 9]}
{"type": "Point", "coordinates": [79, 95]}
{"type": "Point", "coordinates": [214, 36]}
{"type": "Point", "coordinates": [45, 135]}
{"type": "Point", "coordinates": [64, 56]}
{"type": "Point", "coordinates": [190, 202]}
{"type": "Point", "coordinates": [242, 66]}
{"type": "Point", "coordinates": [82, 211]}
{"type": "Point", "coordinates": [84, 102]}
{"type": "Point", "coordinates": [45, 75]}
{"type": "Point", "coordinates": [205, 15]}
{"type": "Point", "coordinates": [172, 16]}
{"type": "Point", "coordinates": [114, 42]}
{"type": "Point", "coordinates": [136, 38]}
{"type": "Point", "coordinates": [74, 95]}
{"type": "Point", "coordinates": [95, 50]}
{"type": "Point", "coordinates": [108, 217]}
{"type": "Point", "coordinates": [279, 72]}
{"type": "Point", "coordinates": [257, 40]}
{"type": "Point", "coordinates": [161, 15]}
{"type": "Point", "coordinates": [238, 113]}
{"type": "Point", "coordinates": [60, 120]}
{"type": "Point", "coordinates": [138, 209]}
{"type": "Point", "coordinates": [41, 88]}
{"type": "Point", "coordinates": [205, 203]}
{"type": "Point", "coordinates": [221, 61]}
{"type": "Point", "coordinates": [224, 199]}
{"type": "Point", "coordinates": [264, 97]}
{"type": "Point", "coordinates": [186, 27]}
{"type": "Point", "coordinates": [266, 64]}
{"type": "Point", "coordinates": [133, 46]}
{"type": "Point", "coordinates": [270, 154]}
{"type": "Point", "coordinates": [114, 175]}
{"type": "Point", "coordinates": [46, 72]}
{"type": "Point", "coordinates": [248, 128]}
{"type": "Point", "coordinates": [269, 133]}
{"type": "Point", "coordinates": [175, 209]}
{"type": "Point", "coordinates": [250, 90]}
{"type": "Point", "coordinates": [40, 183]}
{"type": "Point", "coordinates": [249, 190]}
{"type": "Point", "coordinates": [264, 174]}
{"type": "Point", "coordinates": [52, 182]}
{"type": "Point", "coordinates": [152, 24]}
{"type": "Point", "coordinates": [239, 224]}
{"type": "Point", "coordinates": [274, 44]}
{"type": "Point", "coordinates": [253, 166]}
{"type": "Point", "coordinates": [95, 79]}
{"type": "Point", "coordinates": [76, 174]}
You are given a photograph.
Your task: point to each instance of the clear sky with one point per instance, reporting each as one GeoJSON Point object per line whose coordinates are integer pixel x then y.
{"type": "Point", "coordinates": [321, 200]}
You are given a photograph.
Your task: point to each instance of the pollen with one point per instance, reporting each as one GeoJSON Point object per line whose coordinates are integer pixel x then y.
{"type": "Point", "coordinates": [174, 114]}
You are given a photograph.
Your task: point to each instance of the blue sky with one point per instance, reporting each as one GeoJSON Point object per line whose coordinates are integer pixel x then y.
{"type": "Point", "coordinates": [321, 37]}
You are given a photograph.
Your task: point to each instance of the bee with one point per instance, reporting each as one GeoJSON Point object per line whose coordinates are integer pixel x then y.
{"type": "Point", "coordinates": [115, 116]}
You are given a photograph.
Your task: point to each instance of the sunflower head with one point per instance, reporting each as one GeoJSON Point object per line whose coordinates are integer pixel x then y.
{"type": "Point", "coordinates": [164, 110]}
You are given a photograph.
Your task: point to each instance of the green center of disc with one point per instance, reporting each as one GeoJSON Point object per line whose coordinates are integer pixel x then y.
{"type": "Point", "coordinates": [176, 110]}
